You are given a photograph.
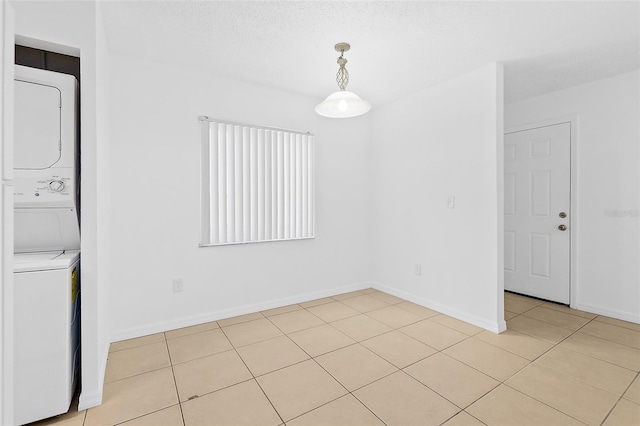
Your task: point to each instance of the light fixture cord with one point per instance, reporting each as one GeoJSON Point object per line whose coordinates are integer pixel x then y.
{"type": "Point", "coordinates": [342, 76]}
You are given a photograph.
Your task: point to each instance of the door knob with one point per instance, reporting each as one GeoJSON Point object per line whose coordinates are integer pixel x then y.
{"type": "Point", "coordinates": [562, 215]}
{"type": "Point", "coordinates": [562, 227]}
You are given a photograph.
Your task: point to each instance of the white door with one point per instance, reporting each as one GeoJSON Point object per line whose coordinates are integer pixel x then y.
{"type": "Point", "coordinates": [537, 206]}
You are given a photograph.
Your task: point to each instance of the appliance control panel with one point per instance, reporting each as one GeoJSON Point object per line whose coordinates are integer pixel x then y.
{"type": "Point", "coordinates": [57, 185]}
{"type": "Point", "coordinates": [51, 188]}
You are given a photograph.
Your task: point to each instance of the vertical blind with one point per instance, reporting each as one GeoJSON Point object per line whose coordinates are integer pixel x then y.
{"type": "Point", "coordinates": [257, 183]}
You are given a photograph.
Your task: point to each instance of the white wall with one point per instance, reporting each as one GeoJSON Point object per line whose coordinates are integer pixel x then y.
{"type": "Point", "coordinates": [442, 142]}
{"type": "Point", "coordinates": [607, 278]}
{"type": "Point", "coordinates": [155, 206]}
{"type": "Point", "coordinates": [100, 293]}
{"type": "Point", "coordinates": [70, 28]}
{"type": "Point", "coordinates": [6, 213]}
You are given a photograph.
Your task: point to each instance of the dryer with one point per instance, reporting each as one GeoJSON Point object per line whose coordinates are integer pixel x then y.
{"type": "Point", "coordinates": [47, 242]}
{"type": "Point", "coordinates": [45, 161]}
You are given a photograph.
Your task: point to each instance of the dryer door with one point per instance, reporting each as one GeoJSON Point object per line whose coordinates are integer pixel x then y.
{"type": "Point", "coordinates": [37, 126]}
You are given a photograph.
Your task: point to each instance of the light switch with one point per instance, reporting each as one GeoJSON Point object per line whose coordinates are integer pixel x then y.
{"type": "Point", "coordinates": [417, 269]}
{"type": "Point", "coordinates": [451, 202]}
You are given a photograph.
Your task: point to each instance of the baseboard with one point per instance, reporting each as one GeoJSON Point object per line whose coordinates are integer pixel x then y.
{"type": "Point", "coordinates": [495, 327]}
{"type": "Point", "coordinates": [89, 399]}
{"type": "Point", "coordinates": [162, 326]}
{"type": "Point", "coordinates": [613, 313]}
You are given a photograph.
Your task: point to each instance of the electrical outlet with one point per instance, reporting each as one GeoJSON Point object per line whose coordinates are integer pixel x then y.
{"type": "Point", "coordinates": [451, 202]}
{"type": "Point", "coordinates": [417, 269]}
{"type": "Point", "coordinates": [178, 286]}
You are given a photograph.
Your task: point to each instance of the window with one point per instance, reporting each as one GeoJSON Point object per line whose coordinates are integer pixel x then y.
{"type": "Point", "coordinates": [257, 184]}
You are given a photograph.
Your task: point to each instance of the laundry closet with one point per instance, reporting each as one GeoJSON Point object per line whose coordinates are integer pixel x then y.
{"type": "Point", "coordinates": [46, 234]}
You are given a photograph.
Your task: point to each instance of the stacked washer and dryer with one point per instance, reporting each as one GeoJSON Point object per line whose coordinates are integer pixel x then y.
{"type": "Point", "coordinates": [47, 244]}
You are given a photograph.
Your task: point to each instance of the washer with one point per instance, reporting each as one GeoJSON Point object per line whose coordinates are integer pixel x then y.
{"type": "Point", "coordinates": [47, 319]}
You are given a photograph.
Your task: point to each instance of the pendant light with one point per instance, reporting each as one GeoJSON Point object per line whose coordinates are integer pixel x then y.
{"type": "Point", "coordinates": [343, 104]}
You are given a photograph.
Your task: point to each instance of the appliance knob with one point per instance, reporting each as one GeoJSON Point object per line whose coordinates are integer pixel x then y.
{"type": "Point", "coordinates": [56, 185]}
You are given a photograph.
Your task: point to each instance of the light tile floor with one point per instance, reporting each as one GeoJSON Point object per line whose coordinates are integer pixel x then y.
{"type": "Point", "coordinates": [369, 358]}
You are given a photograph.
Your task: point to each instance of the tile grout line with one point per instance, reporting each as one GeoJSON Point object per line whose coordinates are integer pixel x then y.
{"type": "Point", "coordinates": [544, 403]}
{"type": "Point", "coordinates": [616, 325]}
{"type": "Point", "coordinates": [513, 353]}
{"type": "Point", "coordinates": [209, 355]}
{"type": "Point", "coordinates": [194, 397]}
{"type": "Point", "coordinates": [147, 414]}
{"type": "Point", "coordinates": [473, 368]}
{"type": "Point", "coordinates": [164, 339]}
{"type": "Point", "coordinates": [523, 312]}
{"type": "Point", "coordinates": [367, 314]}
{"type": "Point", "coordinates": [447, 399]}
{"type": "Point", "coordinates": [171, 364]}
{"type": "Point", "coordinates": [367, 407]}
{"type": "Point", "coordinates": [455, 359]}
{"type": "Point", "coordinates": [468, 413]}
{"type": "Point", "coordinates": [486, 374]}
{"type": "Point", "coordinates": [325, 370]}
{"type": "Point", "coordinates": [406, 325]}
{"type": "Point", "coordinates": [538, 357]}
{"type": "Point", "coordinates": [397, 368]}
{"type": "Point", "coordinates": [467, 337]}
{"type": "Point", "coordinates": [351, 392]}
{"type": "Point", "coordinates": [582, 353]}
{"type": "Point", "coordinates": [191, 334]}
{"type": "Point", "coordinates": [335, 301]}
{"type": "Point", "coordinates": [240, 322]}
{"type": "Point", "coordinates": [310, 358]}
{"type": "Point", "coordinates": [563, 373]}
{"type": "Point", "coordinates": [269, 399]}
{"type": "Point", "coordinates": [500, 382]}
{"type": "Point", "coordinates": [611, 341]}
{"type": "Point", "coordinates": [555, 324]}
{"type": "Point", "coordinates": [175, 382]}
{"type": "Point", "coordinates": [318, 304]}
{"type": "Point", "coordinates": [461, 411]}
{"type": "Point", "coordinates": [620, 398]}
{"type": "Point", "coordinates": [253, 375]}
{"type": "Point", "coordinates": [553, 343]}
{"type": "Point", "coordinates": [317, 363]}
{"type": "Point", "coordinates": [84, 417]}
{"type": "Point", "coordinates": [330, 323]}
{"type": "Point", "coordinates": [308, 354]}
{"type": "Point", "coordinates": [142, 372]}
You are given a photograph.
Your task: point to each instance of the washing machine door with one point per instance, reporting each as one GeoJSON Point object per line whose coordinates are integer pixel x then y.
{"type": "Point", "coordinates": [37, 125]}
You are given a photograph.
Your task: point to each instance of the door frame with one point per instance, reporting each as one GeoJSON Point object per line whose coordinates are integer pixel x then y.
{"type": "Point", "coordinates": [7, 42]}
{"type": "Point", "coordinates": [573, 121]}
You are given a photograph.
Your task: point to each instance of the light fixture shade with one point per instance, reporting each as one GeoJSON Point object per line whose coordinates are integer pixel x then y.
{"type": "Point", "coordinates": [343, 104]}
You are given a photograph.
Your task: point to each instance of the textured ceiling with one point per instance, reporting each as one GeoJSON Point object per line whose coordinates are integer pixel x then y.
{"type": "Point", "coordinates": [396, 47]}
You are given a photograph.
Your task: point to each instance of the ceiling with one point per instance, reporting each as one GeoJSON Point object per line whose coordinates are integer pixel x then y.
{"type": "Point", "coordinates": [397, 47]}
